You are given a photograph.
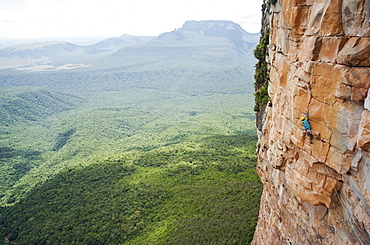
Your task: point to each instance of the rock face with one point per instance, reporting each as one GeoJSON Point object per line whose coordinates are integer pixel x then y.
{"type": "Point", "coordinates": [316, 189]}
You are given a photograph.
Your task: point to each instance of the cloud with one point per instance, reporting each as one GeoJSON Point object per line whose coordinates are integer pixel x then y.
{"type": "Point", "coordinates": [37, 18]}
{"type": "Point", "coordinates": [14, 4]}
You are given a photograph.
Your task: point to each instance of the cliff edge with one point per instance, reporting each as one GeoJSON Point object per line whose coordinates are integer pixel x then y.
{"type": "Point", "coordinates": [316, 189]}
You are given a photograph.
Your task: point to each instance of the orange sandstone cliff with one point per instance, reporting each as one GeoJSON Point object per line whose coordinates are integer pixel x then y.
{"type": "Point", "coordinates": [316, 191]}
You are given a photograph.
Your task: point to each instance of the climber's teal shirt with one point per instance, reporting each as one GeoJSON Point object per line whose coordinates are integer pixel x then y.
{"type": "Point", "coordinates": [306, 123]}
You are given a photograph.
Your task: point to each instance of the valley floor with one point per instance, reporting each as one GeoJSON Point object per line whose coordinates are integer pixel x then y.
{"type": "Point", "coordinates": [168, 170]}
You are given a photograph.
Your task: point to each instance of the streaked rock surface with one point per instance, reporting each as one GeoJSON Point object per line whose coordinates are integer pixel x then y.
{"type": "Point", "coordinates": [317, 191]}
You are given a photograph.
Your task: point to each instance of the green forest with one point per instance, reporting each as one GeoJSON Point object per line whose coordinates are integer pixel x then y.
{"type": "Point", "coordinates": [161, 151]}
{"type": "Point", "coordinates": [152, 176]}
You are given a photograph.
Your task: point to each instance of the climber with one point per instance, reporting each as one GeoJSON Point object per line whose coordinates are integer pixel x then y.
{"type": "Point", "coordinates": [306, 124]}
{"type": "Point", "coordinates": [307, 127]}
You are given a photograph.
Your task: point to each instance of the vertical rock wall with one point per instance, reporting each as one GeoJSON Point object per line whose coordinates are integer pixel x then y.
{"type": "Point", "coordinates": [316, 190]}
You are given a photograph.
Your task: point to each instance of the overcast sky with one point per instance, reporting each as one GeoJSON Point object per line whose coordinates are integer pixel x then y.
{"type": "Point", "coordinates": [76, 18]}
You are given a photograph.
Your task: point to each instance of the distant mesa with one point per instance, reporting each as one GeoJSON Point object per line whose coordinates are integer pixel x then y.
{"type": "Point", "coordinates": [211, 25]}
{"type": "Point", "coordinates": [52, 56]}
{"type": "Point", "coordinates": [218, 28]}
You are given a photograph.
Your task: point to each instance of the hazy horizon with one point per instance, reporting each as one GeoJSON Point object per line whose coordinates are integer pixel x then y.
{"type": "Point", "coordinates": [78, 40]}
{"type": "Point", "coordinates": [56, 19]}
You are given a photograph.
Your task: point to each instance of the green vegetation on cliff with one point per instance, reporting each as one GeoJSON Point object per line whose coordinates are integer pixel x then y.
{"type": "Point", "coordinates": [262, 73]}
{"type": "Point", "coordinates": [262, 70]}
